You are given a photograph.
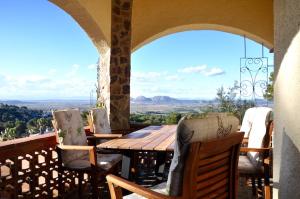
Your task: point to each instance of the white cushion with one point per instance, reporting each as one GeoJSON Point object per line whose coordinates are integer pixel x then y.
{"type": "Point", "coordinates": [69, 122]}
{"type": "Point", "coordinates": [247, 121]}
{"type": "Point", "coordinates": [261, 117]}
{"type": "Point", "coordinates": [100, 120]}
{"type": "Point", "coordinates": [160, 188]}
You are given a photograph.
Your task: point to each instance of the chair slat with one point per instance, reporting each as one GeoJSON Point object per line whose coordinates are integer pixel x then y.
{"type": "Point", "coordinates": [202, 193]}
{"type": "Point", "coordinates": [214, 158]}
{"type": "Point", "coordinates": [213, 166]}
{"type": "Point", "coordinates": [212, 173]}
{"type": "Point", "coordinates": [215, 179]}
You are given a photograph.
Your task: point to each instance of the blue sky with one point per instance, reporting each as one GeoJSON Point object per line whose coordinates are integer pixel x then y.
{"type": "Point", "coordinates": [45, 54]}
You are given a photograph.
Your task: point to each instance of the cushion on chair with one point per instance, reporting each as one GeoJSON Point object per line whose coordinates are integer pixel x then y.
{"type": "Point", "coordinates": [247, 121]}
{"type": "Point", "coordinates": [100, 120]}
{"type": "Point", "coordinates": [246, 167]}
{"type": "Point", "coordinates": [261, 117]}
{"type": "Point", "coordinates": [69, 123]}
{"type": "Point", "coordinates": [160, 188]}
{"type": "Point", "coordinates": [104, 161]}
{"type": "Point", "coordinates": [191, 130]}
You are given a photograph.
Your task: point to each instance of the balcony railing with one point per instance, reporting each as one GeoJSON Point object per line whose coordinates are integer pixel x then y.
{"type": "Point", "coordinates": [29, 167]}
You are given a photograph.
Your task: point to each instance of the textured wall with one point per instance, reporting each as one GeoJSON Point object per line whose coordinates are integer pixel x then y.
{"type": "Point", "coordinates": [115, 66]}
{"type": "Point", "coordinates": [287, 95]}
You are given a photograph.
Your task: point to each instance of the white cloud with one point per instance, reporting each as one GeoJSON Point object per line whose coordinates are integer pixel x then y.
{"type": "Point", "coordinates": [193, 69]}
{"type": "Point", "coordinates": [74, 70]}
{"type": "Point", "coordinates": [52, 71]}
{"type": "Point", "coordinates": [92, 66]}
{"type": "Point", "coordinates": [40, 86]}
{"type": "Point", "coordinates": [173, 78]}
{"type": "Point", "coordinates": [145, 76]}
{"type": "Point", "coordinates": [203, 70]}
{"type": "Point", "coordinates": [213, 71]}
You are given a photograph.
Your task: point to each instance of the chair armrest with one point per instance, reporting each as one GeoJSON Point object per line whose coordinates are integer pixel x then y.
{"type": "Point", "coordinates": [75, 147]}
{"type": "Point", "coordinates": [116, 183]}
{"type": "Point", "coordinates": [245, 140]}
{"type": "Point", "coordinates": [260, 150]}
{"type": "Point", "coordinates": [91, 149]}
{"type": "Point", "coordinates": [104, 136]}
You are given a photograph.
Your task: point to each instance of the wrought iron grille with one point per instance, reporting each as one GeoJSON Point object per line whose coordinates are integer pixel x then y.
{"type": "Point", "coordinates": [254, 76]}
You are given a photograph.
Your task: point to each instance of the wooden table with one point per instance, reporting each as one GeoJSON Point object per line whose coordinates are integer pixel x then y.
{"type": "Point", "coordinates": [151, 138]}
{"type": "Point", "coordinates": [158, 139]}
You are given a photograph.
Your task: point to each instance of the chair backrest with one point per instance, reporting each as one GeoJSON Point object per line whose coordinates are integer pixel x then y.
{"type": "Point", "coordinates": [213, 168]}
{"type": "Point", "coordinates": [196, 130]}
{"type": "Point", "coordinates": [258, 121]}
{"type": "Point", "coordinates": [100, 120]}
{"type": "Point", "coordinates": [68, 123]}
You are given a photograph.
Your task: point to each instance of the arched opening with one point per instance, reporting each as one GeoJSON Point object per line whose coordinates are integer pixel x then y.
{"type": "Point", "coordinates": [184, 73]}
{"type": "Point", "coordinates": [217, 27]}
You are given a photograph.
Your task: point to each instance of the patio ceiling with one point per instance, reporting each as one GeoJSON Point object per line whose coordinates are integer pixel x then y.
{"type": "Point", "coordinates": [152, 19]}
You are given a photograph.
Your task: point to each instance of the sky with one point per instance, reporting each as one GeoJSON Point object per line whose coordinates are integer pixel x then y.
{"type": "Point", "coordinates": [45, 54]}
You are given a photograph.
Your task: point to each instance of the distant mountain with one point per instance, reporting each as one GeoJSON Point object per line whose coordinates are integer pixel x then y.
{"type": "Point", "coordinates": [16, 102]}
{"type": "Point", "coordinates": [142, 99]}
{"type": "Point", "coordinates": [162, 100]}
{"type": "Point", "coordinates": [166, 100]}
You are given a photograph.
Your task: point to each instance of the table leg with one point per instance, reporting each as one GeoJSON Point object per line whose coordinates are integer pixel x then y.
{"type": "Point", "coordinates": [127, 164]}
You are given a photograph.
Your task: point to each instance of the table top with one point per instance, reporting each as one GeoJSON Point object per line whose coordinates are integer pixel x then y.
{"type": "Point", "coordinates": [151, 138]}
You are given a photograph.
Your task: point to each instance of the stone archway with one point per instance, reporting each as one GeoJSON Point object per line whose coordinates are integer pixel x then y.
{"type": "Point", "coordinates": [118, 27]}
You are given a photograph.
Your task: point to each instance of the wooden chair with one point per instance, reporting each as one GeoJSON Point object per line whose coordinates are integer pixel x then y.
{"type": "Point", "coordinates": [210, 165]}
{"type": "Point", "coordinates": [255, 162]}
{"type": "Point", "coordinates": [76, 155]}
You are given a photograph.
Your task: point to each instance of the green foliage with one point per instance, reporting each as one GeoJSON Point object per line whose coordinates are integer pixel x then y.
{"type": "Point", "coordinates": [227, 101]}
{"type": "Point", "coordinates": [8, 134]}
{"type": "Point", "coordinates": [269, 92]}
{"type": "Point", "coordinates": [84, 116]}
{"type": "Point", "coordinates": [62, 133]}
{"type": "Point", "coordinates": [20, 121]}
{"type": "Point", "coordinates": [20, 127]}
{"type": "Point", "coordinates": [173, 118]}
{"type": "Point", "coordinates": [38, 125]}
{"type": "Point", "coordinates": [226, 98]}
{"type": "Point", "coordinates": [154, 119]}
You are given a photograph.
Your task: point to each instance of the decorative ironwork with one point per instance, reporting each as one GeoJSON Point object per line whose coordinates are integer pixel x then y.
{"type": "Point", "coordinates": [254, 75]}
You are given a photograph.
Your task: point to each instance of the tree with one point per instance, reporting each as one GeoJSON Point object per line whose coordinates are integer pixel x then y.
{"type": "Point", "coordinates": [8, 134]}
{"type": "Point", "coordinates": [269, 92]}
{"type": "Point", "coordinates": [173, 118]}
{"type": "Point", "coordinates": [227, 101]}
{"type": "Point", "coordinates": [20, 128]}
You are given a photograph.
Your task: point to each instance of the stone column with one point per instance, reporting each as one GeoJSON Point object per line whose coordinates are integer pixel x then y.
{"type": "Point", "coordinates": [115, 66]}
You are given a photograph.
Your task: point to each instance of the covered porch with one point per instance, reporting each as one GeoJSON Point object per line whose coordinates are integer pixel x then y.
{"type": "Point", "coordinates": [119, 27]}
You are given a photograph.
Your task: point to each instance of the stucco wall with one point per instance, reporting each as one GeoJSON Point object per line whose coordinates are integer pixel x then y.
{"type": "Point", "coordinates": [287, 99]}
{"type": "Point", "coordinates": [152, 19]}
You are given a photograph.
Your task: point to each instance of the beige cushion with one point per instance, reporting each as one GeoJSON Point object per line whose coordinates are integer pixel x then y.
{"type": "Point", "coordinates": [100, 120]}
{"type": "Point", "coordinates": [104, 161]}
{"type": "Point", "coordinates": [160, 188]}
{"type": "Point", "coordinates": [191, 130]}
{"type": "Point", "coordinates": [69, 122]}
